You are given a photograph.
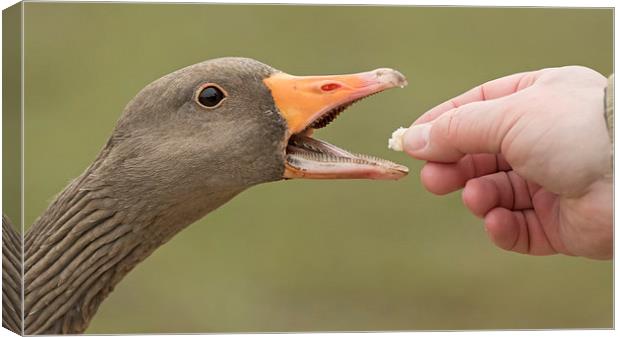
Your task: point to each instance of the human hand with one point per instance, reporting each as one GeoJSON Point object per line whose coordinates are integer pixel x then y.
{"type": "Point", "coordinates": [534, 157]}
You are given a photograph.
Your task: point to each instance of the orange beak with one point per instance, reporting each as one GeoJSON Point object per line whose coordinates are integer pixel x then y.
{"type": "Point", "coordinates": [304, 99]}
{"type": "Point", "coordinates": [311, 102]}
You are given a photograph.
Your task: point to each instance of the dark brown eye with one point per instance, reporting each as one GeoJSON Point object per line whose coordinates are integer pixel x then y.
{"type": "Point", "coordinates": [211, 96]}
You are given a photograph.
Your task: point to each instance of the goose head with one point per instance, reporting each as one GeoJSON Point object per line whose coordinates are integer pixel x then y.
{"type": "Point", "coordinates": [230, 123]}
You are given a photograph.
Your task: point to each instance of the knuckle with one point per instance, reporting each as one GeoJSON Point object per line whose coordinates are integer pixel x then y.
{"type": "Point", "coordinates": [527, 81]}
{"type": "Point", "coordinates": [451, 125]}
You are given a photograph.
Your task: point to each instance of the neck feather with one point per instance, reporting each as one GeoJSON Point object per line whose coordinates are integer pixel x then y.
{"type": "Point", "coordinates": [11, 277]}
{"type": "Point", "coordinates": [89, 239]}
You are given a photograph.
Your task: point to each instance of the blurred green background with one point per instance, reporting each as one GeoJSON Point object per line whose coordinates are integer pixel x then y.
{"type": "Point", "coordinates": [313, 255]}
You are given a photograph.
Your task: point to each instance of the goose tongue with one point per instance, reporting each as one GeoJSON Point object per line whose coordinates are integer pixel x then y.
{"type": "Point", "coordinates": [312, 102]}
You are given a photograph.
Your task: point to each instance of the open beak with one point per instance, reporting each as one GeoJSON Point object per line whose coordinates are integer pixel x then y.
{"type": "Point", "coordinates": [312, 102]}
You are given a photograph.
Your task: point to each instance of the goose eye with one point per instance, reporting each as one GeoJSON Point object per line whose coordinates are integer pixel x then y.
{"type": "Point", "coordinates": [210, 96]}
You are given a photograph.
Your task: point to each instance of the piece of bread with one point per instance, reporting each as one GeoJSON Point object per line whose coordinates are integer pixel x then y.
{"type": "Point", "coordinates": [396, 141]}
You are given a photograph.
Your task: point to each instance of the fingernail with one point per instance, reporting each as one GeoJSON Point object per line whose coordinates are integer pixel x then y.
{"type": "Point", "coordinates": [416, 138]}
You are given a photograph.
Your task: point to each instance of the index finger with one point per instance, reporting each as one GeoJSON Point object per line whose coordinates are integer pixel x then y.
{"type": "Point", "coordinates": [497, 88]}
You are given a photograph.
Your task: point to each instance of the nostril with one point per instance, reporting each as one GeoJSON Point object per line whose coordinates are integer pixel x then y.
{"type": "Point", "coordinates": [330, 86]}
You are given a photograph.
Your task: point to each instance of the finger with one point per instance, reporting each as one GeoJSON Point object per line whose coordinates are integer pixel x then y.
{"type": "Point", "coordinates": [441, 178]}
{"type": "Point", "coordinates": [502, 189]}
{"type": "Point", "coordinates": [490, 90]}
{"type": "Point", "coordinates": [517, 231]}
{"type": "Point", "coordinates": [477, 127]}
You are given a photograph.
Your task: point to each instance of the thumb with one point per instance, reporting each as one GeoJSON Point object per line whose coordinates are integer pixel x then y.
{"type": "Point", "coordinates": [477, 127]}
